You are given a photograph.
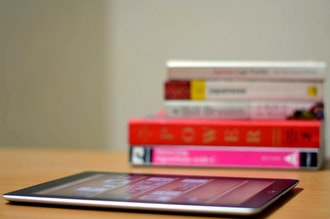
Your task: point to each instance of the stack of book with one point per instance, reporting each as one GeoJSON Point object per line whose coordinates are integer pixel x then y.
{"type": "Point", "coordinates": [235, 114]}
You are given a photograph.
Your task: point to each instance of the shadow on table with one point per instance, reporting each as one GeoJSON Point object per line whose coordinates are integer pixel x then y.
{"type": "Point", "coordinates": [326, 165]}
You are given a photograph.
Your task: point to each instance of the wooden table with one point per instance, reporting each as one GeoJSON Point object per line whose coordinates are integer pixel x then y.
{"type": "Point", "coordinates": [25, 167]}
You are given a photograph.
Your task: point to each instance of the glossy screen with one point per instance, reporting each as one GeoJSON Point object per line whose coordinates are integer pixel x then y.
{"type": "Point", "coordinates": [162, 189]}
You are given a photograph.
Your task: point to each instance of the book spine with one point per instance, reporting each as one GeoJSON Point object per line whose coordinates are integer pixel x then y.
{"type": "Point", "coordinates": [160, 131]}
{"type": "Point", "coordinates": [272, 71]}
{"type": "Point", "coordinates": [244, 110]}
{"type": "Point", "coordinates": [242, 90]}
{"type": "Point", "coordinates": [238, 157]}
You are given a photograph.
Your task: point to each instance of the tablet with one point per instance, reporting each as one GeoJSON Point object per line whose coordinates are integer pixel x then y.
{"type": "Point", "coordinates": [158, 192]}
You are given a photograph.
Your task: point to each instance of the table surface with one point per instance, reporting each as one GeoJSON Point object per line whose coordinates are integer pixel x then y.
{"type": "Point", "coordinates": [26, 167]}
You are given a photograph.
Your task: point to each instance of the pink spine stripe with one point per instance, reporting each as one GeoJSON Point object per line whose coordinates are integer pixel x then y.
{"type": "Point", "coordinates": [189, 156]}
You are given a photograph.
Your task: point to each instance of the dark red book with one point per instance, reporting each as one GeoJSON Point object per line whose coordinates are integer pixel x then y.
{"type": "Point", "coordinates": [162, 131]}
{"type": "Point", "coordinates": [177, 90]}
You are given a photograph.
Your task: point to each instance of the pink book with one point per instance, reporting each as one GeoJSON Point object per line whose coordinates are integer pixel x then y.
{"type": "Point", "coordinates": [240, 157]}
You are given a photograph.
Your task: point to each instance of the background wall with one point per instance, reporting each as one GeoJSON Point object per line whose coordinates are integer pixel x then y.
{"type": "Point", "coordinates": [53, 73]}
{"type": "Point", "coordinates": [73, 72]}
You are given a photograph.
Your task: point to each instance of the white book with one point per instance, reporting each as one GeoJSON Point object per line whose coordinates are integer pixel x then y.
{"type": "Point", "coordinates": [247, 90]}
{"type": "Point", "coordinates": [269, 70]}
{"type": "Point", "coordinates": [271, 90]}
{"type": "Point", "coordinates": [244, 110]}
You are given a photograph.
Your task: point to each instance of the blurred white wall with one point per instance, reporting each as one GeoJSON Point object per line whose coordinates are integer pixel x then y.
{"type": "Point", "coordinates": [53, 70]}
{"type": "Point", "coordinates": [73, 72]}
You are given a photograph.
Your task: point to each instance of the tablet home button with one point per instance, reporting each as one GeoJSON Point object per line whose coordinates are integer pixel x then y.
{"type": "Point", "coordinates": [271, 191]}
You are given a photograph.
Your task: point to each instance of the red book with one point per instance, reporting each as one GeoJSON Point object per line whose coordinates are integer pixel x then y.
{"type": "Point", "coordinates": [162, 131]}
